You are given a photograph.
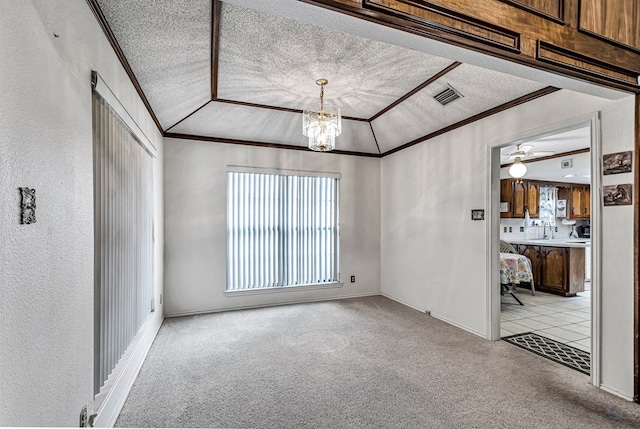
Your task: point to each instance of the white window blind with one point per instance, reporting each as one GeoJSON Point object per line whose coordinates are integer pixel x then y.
{"type": "Point", "coordinates": [123, 203]}
{"type": "Point", "coordinates": [282, 230]}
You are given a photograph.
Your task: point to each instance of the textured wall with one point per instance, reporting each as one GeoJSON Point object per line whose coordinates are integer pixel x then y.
{"type": "Point", "coordinates": [434, 257]}
{"type": "Point", "coordinates": [46, 268]}
{"type": "Point", "coordinates": [195, 222]}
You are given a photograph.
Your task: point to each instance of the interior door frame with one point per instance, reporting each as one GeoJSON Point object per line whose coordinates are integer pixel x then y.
{"type": "Point", "coordinates": [493, 228]}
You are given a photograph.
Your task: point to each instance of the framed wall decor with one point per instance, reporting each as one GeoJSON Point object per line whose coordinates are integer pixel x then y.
{"type": "Point", "coordinates": [618, 195]}
{"type": "Point", "coordinates": [616, 163]}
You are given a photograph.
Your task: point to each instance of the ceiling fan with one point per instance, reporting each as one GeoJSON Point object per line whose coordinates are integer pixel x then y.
{"type": "Point", "coordinates": [525, 151]}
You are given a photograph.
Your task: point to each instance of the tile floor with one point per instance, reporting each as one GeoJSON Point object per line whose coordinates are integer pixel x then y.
{"type": "Point", "coordinates": [566, 320]}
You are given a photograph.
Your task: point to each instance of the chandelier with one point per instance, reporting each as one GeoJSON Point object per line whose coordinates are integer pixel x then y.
{"type": "Point", "coordinates": [322, 125]}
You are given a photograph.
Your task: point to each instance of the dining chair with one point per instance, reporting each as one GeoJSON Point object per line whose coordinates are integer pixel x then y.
{"type": "Point", "coordinates": [506, 247]}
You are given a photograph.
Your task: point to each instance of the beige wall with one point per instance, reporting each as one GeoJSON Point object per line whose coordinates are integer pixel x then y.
{"type": "Point", "coordinates": [195, 223]}
{"type": "Point", "coordinates": [46, 268]}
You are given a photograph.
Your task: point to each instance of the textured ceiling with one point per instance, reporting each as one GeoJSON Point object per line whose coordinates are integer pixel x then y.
{"type": "Point", "coordinates": [168, 45]}
{"type": "Point", "coordinates": [420, 114]}
{"type": "Point", "coordinates": [276, 61]}
{"type": "Point", "coordinates": [267, 67]}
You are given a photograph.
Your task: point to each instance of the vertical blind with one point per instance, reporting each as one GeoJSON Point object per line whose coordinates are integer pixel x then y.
{"type": "Point", "coordinates": [282, 230]}
{"type": "Point", "coordinates": [123, 237]}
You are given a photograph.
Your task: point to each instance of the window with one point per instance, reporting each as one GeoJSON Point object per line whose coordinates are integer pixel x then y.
{"type": "Point", "coordinates": [282, 229]}
{"type": "Point", "coordinates": [123, 231]}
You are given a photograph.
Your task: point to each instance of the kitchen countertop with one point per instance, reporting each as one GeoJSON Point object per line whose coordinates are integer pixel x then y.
{"type": "Point", "coordinates": [557, 242]}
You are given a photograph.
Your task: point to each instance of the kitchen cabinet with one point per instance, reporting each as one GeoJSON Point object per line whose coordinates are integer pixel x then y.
{"type": "Point", "coordinates": [506, 197]}
{"type": "Point", "coordinates": [576, 202]}
{"type": "Point", "coordinates": [556, 269]}
{"type": "Point", "coordinates": [533, 253]}
{"type": "Point", "coordinates": [586, 201]}
{"type": "Point", "coordinates": [525, 194]}
{"type": "Point", "coordinates": [520, 196]}
{"type": "Point", "coordinates": [519, 199]}
{"type": "Point", "coordinates": [580, 202]}
{"type": "Point", "coordinates": [533, 198]}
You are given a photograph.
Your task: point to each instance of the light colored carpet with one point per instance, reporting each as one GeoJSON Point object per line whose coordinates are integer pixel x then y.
{"type": "Point", "coordinates": [355, 363]}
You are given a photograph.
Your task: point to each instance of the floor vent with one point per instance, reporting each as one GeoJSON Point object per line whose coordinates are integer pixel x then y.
{"type": "Point", "coordinates": [448, 95]}
{"type": "Point", "coordinates": [553, 350]}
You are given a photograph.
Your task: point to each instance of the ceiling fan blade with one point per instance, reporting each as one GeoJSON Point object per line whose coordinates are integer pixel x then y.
{"type": "Point", "coordinates": [541, 153]}
{"type": "Point", "coordinates": [559, 138]}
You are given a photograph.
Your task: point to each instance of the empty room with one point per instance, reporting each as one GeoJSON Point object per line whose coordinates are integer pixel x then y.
{"type": "Point", "coordinates": [319, 213]}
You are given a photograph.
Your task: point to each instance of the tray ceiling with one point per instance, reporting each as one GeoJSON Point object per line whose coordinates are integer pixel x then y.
{"type": "Point", "coordinates": [266, 70]}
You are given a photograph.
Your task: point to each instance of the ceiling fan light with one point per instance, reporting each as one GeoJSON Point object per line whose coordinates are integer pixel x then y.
{"type": "Point", "coordinates": [518, 169]}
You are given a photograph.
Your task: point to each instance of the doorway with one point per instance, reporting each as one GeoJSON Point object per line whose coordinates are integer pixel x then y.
{"type": "Point", "coordinates": [556, 242]}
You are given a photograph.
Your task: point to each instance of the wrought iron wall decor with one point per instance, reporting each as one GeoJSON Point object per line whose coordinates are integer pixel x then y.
{"type": "Point", "coordinates": [28, 205]}
{"type": "Point", "coordinates": [477, 214]}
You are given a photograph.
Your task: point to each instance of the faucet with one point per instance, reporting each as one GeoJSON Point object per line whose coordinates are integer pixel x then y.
{"type": "Point", "coordinates": [544, 229]}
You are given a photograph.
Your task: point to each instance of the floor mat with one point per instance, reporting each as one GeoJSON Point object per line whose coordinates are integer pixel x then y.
{"type": "Point", "coordinates": [553, 350]}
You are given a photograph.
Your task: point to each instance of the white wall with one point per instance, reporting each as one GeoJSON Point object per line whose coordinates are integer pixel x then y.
{"type": "Point", "coordinates": [434, 257]}
{"type": "Point", "coordinates": [46, 268]}
{"type": "Point", "coordinates": [195, 223]}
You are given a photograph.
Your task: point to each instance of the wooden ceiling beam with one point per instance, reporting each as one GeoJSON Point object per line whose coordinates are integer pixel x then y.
{"type": "Point", "coordinates": [216, 13]}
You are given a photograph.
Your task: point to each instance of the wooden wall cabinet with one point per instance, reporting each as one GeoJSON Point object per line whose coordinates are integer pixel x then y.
{"type": "Point", "coordinates": [617, 21]}
{"type": "Point", "coordinates": [519, 199]}
{"type": "Point", "coordinates": [533, 198]}
{"type": "Point", "coordinates": [526, 194]}
{"type": "Point", "coordinates": [557, 270]}
{"type": "Point", "coordinates": [520, 195]}
{"type": "Point", "coordinates": [580, 202]}
{"type": "Point", "coordinates": [595, 40]}
{"type": "Point", "coordinates": [506, 196]}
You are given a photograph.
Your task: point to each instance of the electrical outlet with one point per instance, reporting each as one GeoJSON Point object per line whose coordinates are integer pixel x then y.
{"type": "Point", "coordinates": [505, 229]}
{"type": "Point", "coordinates": [353, 279]}
{"type": "Point", "coordinates": [522, 229]}
{"type": "Point", "coordinates": [556, 229]}
{"type": "Point", "coordinates": [510, 229]}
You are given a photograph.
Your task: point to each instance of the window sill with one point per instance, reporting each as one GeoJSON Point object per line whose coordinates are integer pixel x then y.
{"type": "Point", "coordinates": [297, 288]}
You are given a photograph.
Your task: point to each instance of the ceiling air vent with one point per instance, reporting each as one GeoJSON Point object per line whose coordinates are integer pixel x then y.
{"type": "Point", "coordinates": [447, 96]}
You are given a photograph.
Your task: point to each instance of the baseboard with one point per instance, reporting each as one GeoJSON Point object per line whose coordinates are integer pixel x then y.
{"type": "Point", "coordinates": [248, 307]}
{"type": "Point", "coordinates": [113, 403]}
{"type": "Point", "coordinates": [403, 303]}
{"type": "Point", "coordinates": [616, 393]}
{"type": "Point", "coordinates": [457, 325]}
